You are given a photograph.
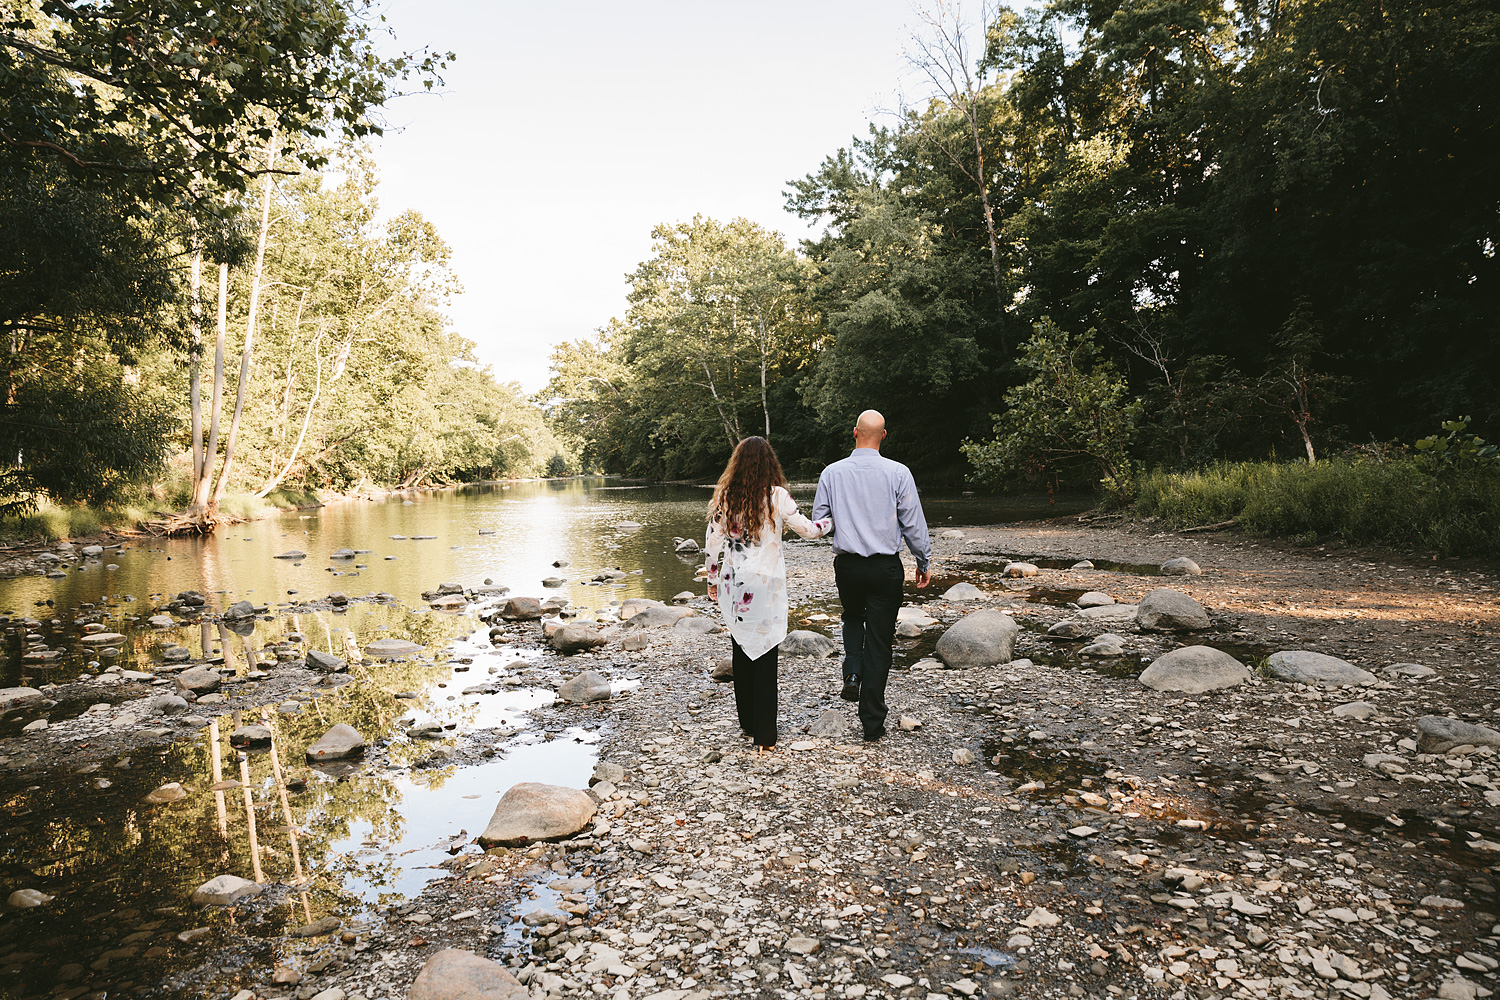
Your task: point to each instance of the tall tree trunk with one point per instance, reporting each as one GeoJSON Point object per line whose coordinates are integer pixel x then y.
{"type": "Point", "coordinates": [199, 510]}
{"type": "Point", "coordinates": [195, 339]}
{"type": "Point", "coordinates": [247, 352]}
{"type": "Point", "coordinates": [312, 404]}
{"type": "Point", "coordinates": [765, 353]}
{"type": "Point", "coordinates": [729, 428]}
{"type": "Point", "coordinates": [981, 178]}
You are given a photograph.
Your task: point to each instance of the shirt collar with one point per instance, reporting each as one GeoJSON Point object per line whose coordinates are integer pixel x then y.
{"type": "Point", "coordinates": [865, 453]}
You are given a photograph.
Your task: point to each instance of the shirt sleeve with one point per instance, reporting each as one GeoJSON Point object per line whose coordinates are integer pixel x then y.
{"type": "Point", "coordinates": [787, 508]}
{"type": "Point", "coordinates": [822, 504]}
{"type": "Point", "coordinates": [713, 552]}
{"type": "Point", "coordinates": [913, 523]}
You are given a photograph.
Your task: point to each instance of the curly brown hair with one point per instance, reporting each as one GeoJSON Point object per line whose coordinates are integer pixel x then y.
{"type": "Point", "coordinates": [743, 496]}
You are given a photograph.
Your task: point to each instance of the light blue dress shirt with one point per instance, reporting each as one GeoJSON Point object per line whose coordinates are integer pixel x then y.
{"type": "Point", "coordinates": [873, 502]}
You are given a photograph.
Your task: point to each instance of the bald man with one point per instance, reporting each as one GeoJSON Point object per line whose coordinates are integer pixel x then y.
{"type": "Point", "coordinates": [873, 503]}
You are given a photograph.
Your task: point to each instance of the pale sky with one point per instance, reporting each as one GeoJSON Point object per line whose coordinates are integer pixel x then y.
{"type": "Point", "coordinates": [567, 130]}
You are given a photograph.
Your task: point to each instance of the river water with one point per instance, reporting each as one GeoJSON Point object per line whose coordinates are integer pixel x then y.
{"type": "Point", "coordinates": [354, 842]}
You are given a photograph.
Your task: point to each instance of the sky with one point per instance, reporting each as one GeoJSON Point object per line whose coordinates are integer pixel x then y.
{"type": "Point", "coordinates": [565, 131]}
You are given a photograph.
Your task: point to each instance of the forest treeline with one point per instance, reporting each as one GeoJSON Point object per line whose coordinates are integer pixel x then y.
{"type": "Point", "coordinates": [1122, 235]}
{"type": "Point", "coordinates": [201, 299]}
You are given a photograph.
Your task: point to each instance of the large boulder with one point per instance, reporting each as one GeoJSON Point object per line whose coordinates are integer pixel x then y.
{"type": "Point", "coordinates": [339, 742]}
{"type": "Point", "coordinates": [657, 616]}
{"type": "Point", "coordinates": [1180, 566]}
{"type": "Point", "coordinates": [200, 680]}
{"type": "Point", "coordinates": [1307, 667]}
{"type": "Point", "coordinates": [1094, 599]}
{"type": "Point", "coordinates": [222, 890]}
{"type": "Point", "coordinates": [804, 642]}
{"type": "Point", "coordinates": [586, 687]}
{"type": "Point", "coordinates": [240, 609]}
{"type": "Point", "coordinates": [316, 659]}
{"type": "Point", "coordinates": [575, 638]}
{"type": "Point", "coordinates": [532, 811]}
{"type": "Point", "coordinates": [1019, 569]}
{"type": "Point", "coordinates": [1439, 734]}
{"type": "Point", "coordinates": [521, 609]}
{"type": "Point", "coordinates": [1194, 670]}
{"type": "Point", "coordinates": [460, 975]}
{"type": "Point", "coordinates": [981, 639]}
{"type": "Point", "coordinates": [1167, 610]}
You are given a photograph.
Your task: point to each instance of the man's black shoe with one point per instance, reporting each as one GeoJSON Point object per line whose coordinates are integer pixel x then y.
{"type": "Point", "coordinates": [851, 690]}
{"type": "Point", "coordinates": [871, 735]}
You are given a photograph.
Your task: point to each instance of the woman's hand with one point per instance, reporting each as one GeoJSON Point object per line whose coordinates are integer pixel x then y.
{"type": "Point", "coordinates": [713, 593]}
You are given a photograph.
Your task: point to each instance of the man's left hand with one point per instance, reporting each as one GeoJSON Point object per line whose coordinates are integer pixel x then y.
{"type": "Point", "coordinates": [923, 578]}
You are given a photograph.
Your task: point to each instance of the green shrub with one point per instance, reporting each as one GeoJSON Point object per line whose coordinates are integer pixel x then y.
{"type": "Point", "coordinates": [1452, 510]}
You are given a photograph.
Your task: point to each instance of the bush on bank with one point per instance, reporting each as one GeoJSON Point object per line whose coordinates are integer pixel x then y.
{"type": "Point", "coordinates": [1400, 502]}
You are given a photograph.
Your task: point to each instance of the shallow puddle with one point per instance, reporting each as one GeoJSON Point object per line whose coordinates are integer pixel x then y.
{"type": "Point", "coordinates": [995, 567]}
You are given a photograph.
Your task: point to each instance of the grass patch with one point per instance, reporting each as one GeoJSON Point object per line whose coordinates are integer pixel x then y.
{"type": "Point", "coordinates": [50, 522]}
{"type": "Point", "coordinates": [1399, 502]}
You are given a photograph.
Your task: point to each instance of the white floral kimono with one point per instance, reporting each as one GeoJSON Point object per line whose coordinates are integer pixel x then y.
{"type": "Point", "coordinates": [751, 575]}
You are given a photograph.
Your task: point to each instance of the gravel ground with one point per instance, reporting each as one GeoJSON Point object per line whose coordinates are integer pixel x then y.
{"type": "Point", "coordinates": [1047, 827]}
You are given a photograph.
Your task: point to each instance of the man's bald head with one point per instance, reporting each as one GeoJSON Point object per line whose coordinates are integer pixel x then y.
{"type": "Point", "coordinates": [869, 429]}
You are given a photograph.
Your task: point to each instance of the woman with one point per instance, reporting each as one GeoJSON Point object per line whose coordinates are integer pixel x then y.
{"type": "Point", "coordinates": [747, 575]}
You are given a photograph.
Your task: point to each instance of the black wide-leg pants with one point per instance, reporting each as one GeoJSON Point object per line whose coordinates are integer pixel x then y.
{"type": "Point", "coordinates": [870, 591]}
{"type": "Point", "coordinates": [755, 693]}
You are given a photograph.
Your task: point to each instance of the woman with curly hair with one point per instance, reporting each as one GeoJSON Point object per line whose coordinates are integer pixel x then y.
{"type": "Point", "coordinates": [747, 575]}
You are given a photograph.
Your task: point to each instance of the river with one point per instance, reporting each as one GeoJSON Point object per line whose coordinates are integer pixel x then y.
{"type": "Point", "coordinates": [354, 842]}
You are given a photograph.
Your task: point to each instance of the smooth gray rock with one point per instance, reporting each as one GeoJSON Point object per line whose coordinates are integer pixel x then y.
{"type": "Point", "coordinates": [240, 609]}
{"type": "Point", "coordinates": [1167, 610]}
{"type": "Point", "coordinates": [25, 899]}
{"type": "Point", "coordinates": [1094, 599]}
{"type": "Point", "coordinates": [633, 606]}
{"type": "Point", "coordinates": [952, 535]}
{"type": "Point", "coordinates": [1019, 569]}
{"type": "Point", "coordinates": [450, 588]}
{"type": "Point", "coordinates": [656, 616]}
{"type": "Point", "coordinates": [723, 670]}
{"type": "Point", "coordinates": [222, 890]}
{"type": "Point", "coordinates": [250, 736]}
{"type": "Point", "coordinates": [1069, 628]}
{"type": "Point", "coordinates": [14, 697]}
{"type": "Point", "coordinates": [607, 771]}
{"type": "Point", "coordinates": [981, 639]}
{"type": "Point", "coordinates": [342, 554]}
{"type": "Point", "coordinates": [167, 704]}
{"type": "Point", "coordinates": [1439, 734]}
{"type": "Point", "coordinates": [697, 625]}
{"type": "Point", "coordinates": [293, 554]}
{"type": "Point", "coordinates": [532, 811]}
{"type": "Point", "coordinates": [1306, 667]}
{"type": "Point", "coordinates": [386, 648]}
{"type": "Point", "coordinates": [521, 609]}
{"type": "Point", "coordinates": [686, 545]}
{"type": "Point", "coordinates": [199, 680]}
{"type": "Point", "coordinates": [1115, 613]}
{"type": "Point", "coordinates": [804, 642]}
{"type": "Point", "coordinates": [460, 975]}
{"type": "Point", "coordinates": [316, 659]}
{"type": "Point", "coordinates": [554, 581]}
{"type": "Point", "coordinates": [1180, 566]}
{"type": "Point", "coordinates": [1082, 564]}
{"type": "Point", "coordinates": [830, 723]}
{"type": "Point", "coordinates": [339, 742]}
{"type": "Point", "coordinates": [589, 686]}
{"type": "Point", "coordinates": [1194, 670]}
{"type": "Point", "coordinates": [963, 592]}
{"type": "Point", "coordinates": [1108, 644]}
{"type": "Point", "coordinates": [1414, 670]}
{"type": "Point", "coordinates": [1360, 710]}
{"type": "Point", "coordinates": [575, 638]}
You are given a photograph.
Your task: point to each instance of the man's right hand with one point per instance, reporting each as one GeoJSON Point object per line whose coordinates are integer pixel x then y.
{"type": "Point", "coordinates": [923, 578]}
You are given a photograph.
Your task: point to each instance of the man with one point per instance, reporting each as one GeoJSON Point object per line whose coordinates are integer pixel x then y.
{"type": "Point", "coordinates": [874, 505]}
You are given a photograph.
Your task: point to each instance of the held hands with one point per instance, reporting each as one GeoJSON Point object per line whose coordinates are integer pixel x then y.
{"type": "Point", "coordinates": [922, 578]}
{"type": "Point", "coordinates": [713, 592]}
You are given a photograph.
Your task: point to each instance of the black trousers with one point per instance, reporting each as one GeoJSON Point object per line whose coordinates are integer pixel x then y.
{"type": "Point", "coordinates": [755, 693]}
{"type": "Point", "coordinates": [870, 590]}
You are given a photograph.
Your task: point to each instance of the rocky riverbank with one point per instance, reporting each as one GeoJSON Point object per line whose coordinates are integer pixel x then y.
{"type": "Point", "coordinates": [1045, 826]}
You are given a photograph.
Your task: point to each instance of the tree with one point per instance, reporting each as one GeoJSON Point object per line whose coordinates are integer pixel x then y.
{"type": "Point", "coordinates": [1073, 414]}
{"type": "Point", "coordinates": [166, 95]}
